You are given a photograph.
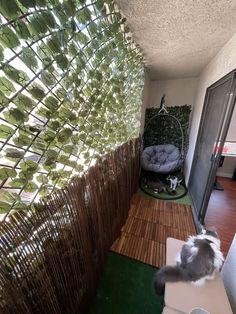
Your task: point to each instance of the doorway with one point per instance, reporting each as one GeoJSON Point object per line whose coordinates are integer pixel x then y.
{"type": "Point", "coordinates": [221, 212]}
{"type": "Point", "coordinates": [217, 112]}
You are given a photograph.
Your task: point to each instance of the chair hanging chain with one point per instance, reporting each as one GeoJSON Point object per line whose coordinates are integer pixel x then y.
{"type": "Point", "coordinates": [162, 105]}
{"type": "Point", "coordinates": [179, 124]}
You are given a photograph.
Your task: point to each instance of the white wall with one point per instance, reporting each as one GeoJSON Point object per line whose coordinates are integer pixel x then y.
{"type": "Point", "coordinates": [228, 167]}
{"type": "Point", "coordinates": [229, 164]}
{"type": "Point", "coordinates": [178, 92]}
{"type": "Point", "coordinates": [220, 65]}
{"type": "Point", "coordinates": [228, 274]}
{"type": "Point", "coordinates": [231, 135]}
{"type": "Point", "coordinates": [145, 99]}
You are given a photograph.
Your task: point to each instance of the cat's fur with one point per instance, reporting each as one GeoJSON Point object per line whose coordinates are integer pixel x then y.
{"type": "Point", "coordinates": [200, 256]}
{"type": "Point", "coordinates": [158, 186]}
{"type": "Point", "coordinates": [174, 182]}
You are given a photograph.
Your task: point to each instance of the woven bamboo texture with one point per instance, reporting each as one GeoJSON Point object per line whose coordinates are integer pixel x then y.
{"type": "Point", "coordinates": [52, 257]}
{"type": "Point", "coordinates": [149, 224]}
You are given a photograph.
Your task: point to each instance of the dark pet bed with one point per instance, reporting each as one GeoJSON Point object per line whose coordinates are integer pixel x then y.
{"type": "Point", "coordinates": [158, 185]}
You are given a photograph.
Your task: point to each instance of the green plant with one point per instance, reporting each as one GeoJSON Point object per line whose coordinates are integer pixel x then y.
{"type": "Point", "coordinates": [70, 91]}
{"type": "Point", "coordinates": [165, 129]}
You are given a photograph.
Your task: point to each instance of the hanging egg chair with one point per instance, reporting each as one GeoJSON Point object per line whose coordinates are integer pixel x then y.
{"type": "Point", "coordinates": [164, 158]}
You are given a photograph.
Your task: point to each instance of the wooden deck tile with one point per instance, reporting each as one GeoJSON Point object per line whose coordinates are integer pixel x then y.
{"type": "Point", "coordinates": [149, 224]}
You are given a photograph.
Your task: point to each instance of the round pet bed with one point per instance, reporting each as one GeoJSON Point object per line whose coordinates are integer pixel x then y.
{"type": "Point", "coordinates": [180, 192]}
{"type": "Point", "coordinates": [161, 158]}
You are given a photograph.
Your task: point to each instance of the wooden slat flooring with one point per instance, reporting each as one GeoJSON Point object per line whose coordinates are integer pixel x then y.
{"type": "Point", "coordinates": [149, 224]}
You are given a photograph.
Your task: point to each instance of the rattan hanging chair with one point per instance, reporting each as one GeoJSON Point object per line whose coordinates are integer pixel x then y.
{"type": "Point", "coordinates": [164, 158]}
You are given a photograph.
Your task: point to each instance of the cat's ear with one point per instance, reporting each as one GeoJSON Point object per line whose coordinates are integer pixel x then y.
{"type": "Point", "coordinates": [213, 229]}
{"type": "Point", "coordinates": [203, 230]}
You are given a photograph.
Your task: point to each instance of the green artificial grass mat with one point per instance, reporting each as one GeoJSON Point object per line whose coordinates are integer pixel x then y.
{"type": "Point", "coordinates": [126, 287]}
{"type": "Point", "coordinates": [185, 200]}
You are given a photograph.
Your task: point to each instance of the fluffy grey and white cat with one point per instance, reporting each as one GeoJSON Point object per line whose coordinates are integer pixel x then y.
{"type": "Point", "coordinates": [200, 256]}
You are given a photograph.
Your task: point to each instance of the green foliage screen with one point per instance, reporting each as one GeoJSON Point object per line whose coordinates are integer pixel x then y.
{"type": "Point", "coordinates": [165, 129]}
{"type": "Point", "coordinates": [70, 91]}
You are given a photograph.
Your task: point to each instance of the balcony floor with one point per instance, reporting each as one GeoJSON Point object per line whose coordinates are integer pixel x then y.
{"type": "Point", "coordinates": [149, 224]}
{"type": "Point", "coordinates": [126, 288]}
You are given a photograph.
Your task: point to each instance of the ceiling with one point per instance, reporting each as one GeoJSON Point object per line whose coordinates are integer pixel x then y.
{"type": "Point", "coordinates": [179, 37]}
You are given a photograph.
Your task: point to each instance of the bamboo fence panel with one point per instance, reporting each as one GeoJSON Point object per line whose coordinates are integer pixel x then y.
{"type": "Point", "coordinates": [53, 255]}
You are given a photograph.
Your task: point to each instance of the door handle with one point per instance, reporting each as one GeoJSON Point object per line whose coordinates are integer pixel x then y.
{"type": "Point", "coordinates": [216, 159]}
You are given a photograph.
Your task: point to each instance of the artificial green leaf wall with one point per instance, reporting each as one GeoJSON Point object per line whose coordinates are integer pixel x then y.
{"type": "Point", "coordinates": [70, 92]}
{"type": "Point", "coordinates": [165, 129]}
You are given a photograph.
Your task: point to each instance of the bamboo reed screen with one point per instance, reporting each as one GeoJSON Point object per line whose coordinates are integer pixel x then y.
{"type": "Point", "coordinates": [52, 257]}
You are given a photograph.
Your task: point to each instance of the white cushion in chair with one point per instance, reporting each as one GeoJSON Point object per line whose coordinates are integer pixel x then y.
{"type": "Point", "coordinates": [161, 158]}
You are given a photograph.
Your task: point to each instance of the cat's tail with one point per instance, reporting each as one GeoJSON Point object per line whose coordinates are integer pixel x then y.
{"type": "Point", "coordinates": [168, 274]}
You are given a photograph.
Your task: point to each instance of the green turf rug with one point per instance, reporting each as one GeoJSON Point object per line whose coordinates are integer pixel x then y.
{"type": "Point", "coordinates": [178, 193]}
{"type": "Point", "coordinates": [126, 288]}
{"type": "Point", "coordinates": [185, 200]}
